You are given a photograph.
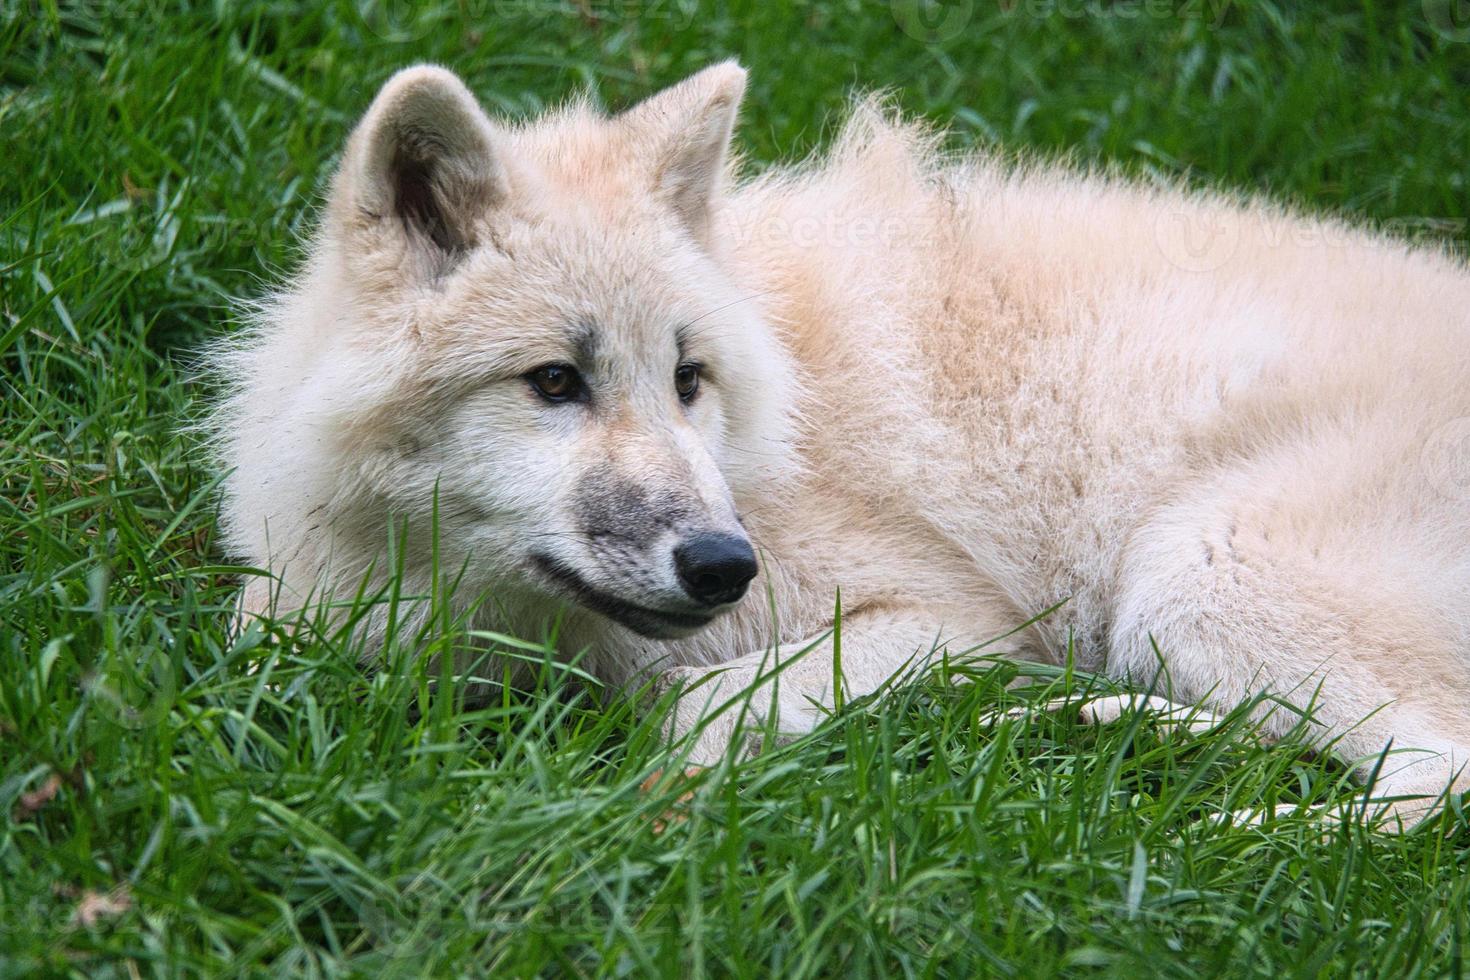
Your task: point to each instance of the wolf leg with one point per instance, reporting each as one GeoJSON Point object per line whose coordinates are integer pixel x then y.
{"type": "Point", "coordinates": [1227, 596]}
{"type": "Point", "coordinates": [1168, 715]}
{"type": "Point", "coordinates": [788, 689]}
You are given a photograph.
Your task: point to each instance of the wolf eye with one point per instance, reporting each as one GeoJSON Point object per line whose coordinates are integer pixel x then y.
{"type": "Point", "coordinates": [556, 382]}
{"type": "Point", "coordinates": [686, 381]}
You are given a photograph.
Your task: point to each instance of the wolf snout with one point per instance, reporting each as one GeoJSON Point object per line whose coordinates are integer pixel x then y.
{"type": "Point", "coordinates": [715, 568]}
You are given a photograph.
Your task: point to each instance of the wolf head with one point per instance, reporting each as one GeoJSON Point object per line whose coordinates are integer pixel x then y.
{"type": "Point", "coordinates": [526, 339]}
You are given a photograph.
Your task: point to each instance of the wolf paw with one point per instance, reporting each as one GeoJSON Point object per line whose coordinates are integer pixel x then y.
{"type": "Point", "coordinates": [1107, 710]}
{"type": "Point", "coordinates": [725, 710]}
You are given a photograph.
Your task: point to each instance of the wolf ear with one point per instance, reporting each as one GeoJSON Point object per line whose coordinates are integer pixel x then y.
{"type": "Point", "coordinates": [684, 131]}
{"type": "Point", "coordinates": [421, 169]}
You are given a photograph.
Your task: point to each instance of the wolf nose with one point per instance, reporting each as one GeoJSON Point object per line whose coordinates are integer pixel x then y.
{"type": "Point", "coordinates": [715, 568]}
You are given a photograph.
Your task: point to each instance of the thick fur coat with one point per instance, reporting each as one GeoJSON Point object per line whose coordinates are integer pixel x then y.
{"type": "Point", "coordinates": [1224, 439]}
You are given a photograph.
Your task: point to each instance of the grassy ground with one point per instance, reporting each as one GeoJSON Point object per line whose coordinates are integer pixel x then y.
{"type": "Point", "coordinates": [175, 801]}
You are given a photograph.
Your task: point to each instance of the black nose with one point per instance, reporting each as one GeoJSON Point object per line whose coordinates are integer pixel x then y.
{"type": "Point", "coordinates": [715, 568]}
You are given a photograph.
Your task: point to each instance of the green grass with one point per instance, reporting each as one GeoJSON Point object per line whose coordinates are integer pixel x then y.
{"type": "Point", "coordinates": [262, 805]}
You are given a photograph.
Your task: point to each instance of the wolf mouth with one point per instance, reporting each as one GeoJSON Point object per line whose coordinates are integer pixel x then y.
{"type": "Point", "coordinates": [653, 623]}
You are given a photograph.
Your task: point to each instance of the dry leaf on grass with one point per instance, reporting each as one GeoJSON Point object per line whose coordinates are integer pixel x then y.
{"type": "Point", "coordinates": [31, 803]}
{"type": "Point", "coordinates": [94, 906]}
{"type": "Point", "coordinates": [675, 813]}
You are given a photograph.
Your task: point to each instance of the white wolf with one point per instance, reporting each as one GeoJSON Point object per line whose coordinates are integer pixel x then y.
{"type": "Point", "coordinates": [684, 410]}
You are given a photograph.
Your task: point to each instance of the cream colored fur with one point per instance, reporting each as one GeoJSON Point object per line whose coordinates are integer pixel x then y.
{"type": "Point", "coordinates": [1228, 439]}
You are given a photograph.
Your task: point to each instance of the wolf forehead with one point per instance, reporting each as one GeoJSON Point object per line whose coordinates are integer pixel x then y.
{"type": "Point", "coordinates": [592, 300]}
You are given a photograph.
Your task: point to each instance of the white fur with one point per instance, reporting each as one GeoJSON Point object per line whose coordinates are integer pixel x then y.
{"type": "Point", "coordinates": [962, 391]}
